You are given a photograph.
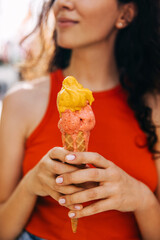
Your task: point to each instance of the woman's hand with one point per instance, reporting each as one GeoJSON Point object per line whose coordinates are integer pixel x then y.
{"type": "Point", "coordinates": [41, 180]}
{"type": "Point", "coordinates": [116, 190]}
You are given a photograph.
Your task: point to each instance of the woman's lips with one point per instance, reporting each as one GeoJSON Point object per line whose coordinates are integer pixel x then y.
{"type": "Point", "coordinates": [64, 22]}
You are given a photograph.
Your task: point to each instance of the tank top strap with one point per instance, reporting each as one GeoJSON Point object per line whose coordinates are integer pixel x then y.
{"type": "Point", "coordinates": [56, 79]}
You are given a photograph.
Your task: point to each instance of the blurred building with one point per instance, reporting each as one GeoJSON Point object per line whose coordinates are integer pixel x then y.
{"type": "Point", "coordinates": [17, 19]}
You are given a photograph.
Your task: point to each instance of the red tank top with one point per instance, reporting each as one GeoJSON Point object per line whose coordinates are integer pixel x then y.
{"type": "Point", "coordinates": [114, 136]}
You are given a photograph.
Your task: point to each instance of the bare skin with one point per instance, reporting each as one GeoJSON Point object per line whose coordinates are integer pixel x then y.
{"type": "Point", "coordinates": [23, 110]}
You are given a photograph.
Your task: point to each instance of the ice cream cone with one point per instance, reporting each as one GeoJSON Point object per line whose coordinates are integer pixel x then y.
{"type": "Point", "coordinates": [76, 119]}
{"type": "Point", "coordinates": [74, 223]}
{"type": "Point", "coordinates": [78, 143]}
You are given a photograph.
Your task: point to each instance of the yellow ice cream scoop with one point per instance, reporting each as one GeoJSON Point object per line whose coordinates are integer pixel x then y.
{"type": "Point", "coordinates": [73, 96]}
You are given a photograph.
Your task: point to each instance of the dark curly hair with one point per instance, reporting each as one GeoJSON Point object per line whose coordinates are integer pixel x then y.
{"type": "Point", "coordinates": [137, 51]}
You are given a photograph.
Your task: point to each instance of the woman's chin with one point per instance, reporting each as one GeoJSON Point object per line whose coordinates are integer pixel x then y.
{"type": "Point", "coordinates": [64, 45]}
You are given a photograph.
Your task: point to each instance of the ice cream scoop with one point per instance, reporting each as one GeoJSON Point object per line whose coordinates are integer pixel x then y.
{"type": "Point", "coordinates": [73, 96]}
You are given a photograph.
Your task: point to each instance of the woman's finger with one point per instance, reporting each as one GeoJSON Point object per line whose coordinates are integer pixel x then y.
{"type": "Point", "coordinates": [55, 195]}
{"type": "Point", "coordinates": [94, 208]}
{"type": "Point", "coordinates": [56, 167]}
{"type": "Point", "coordinates": [75, 207]}
{"type": "Point", "coordinates": [85, 196]}
{"type": "Point", "coordinates": [58, 153]}
{"type": "Point", "coordinates": [83, 175]}
{"type": "Point", "coordinates": [51, 183]}
{"type": "Point", "coordinates": [68, 189]}
{"type": "Point", "coordinates": [87, 158]}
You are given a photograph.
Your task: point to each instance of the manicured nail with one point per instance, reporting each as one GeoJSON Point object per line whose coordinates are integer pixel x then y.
{"type": "Point", "coordinates": [62, 201]}
{"type": "Point", "coordinates": [70, 157]}
{"type": "Point", "coordinates": [71, 215]}
{"type": "Point", "coordinates": [59, 180]}
{"type": "Point", "coordinates": [77, 207]}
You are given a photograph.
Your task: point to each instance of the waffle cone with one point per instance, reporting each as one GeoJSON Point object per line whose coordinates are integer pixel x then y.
{"type": "Point", "coordinates": [74, 223]}
{"type": "Point", "coordinates": [76, 143]}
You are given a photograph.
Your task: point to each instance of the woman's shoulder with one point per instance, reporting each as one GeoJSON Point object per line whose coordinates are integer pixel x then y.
{"type": "Point", "coordinates": [26, 94]}
{"type": "Point", "coordinates": [26, 101]}
{"type": "Point", "coordinates": [24, 88]}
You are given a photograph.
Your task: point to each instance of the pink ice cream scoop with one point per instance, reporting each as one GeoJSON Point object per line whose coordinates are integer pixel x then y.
{"type": "Point", "coordinates": [73, 122]}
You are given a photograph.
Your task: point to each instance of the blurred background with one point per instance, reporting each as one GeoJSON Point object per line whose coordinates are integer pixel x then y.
{"type": "Point", "coordinates": [17, 19]}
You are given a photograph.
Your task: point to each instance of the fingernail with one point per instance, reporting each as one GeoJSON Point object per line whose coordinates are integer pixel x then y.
{"type": "Point", "coordinates": [70, 157]}
{"type": "Point", "coordinates": [71, 215]}
{"type": "Point", "coordinates": [77, 207]}
{"type": "Point", "coordinates": [59, 180]}
{"type": "Point", "coordinates": [62, 201]}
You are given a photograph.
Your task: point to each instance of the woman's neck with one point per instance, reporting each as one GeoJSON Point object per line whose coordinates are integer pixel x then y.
{"type": "Point", "coordinates": [94, 67]}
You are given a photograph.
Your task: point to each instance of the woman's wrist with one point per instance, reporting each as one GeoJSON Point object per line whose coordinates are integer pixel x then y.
{"type": "Point", "coordinates": [146, 199]}
{"type": "Point", "coordinates": [27, 185]}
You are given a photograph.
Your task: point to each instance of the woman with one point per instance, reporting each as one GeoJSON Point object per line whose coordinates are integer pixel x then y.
{"type": "Point", "coordinates": [111, 47]}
